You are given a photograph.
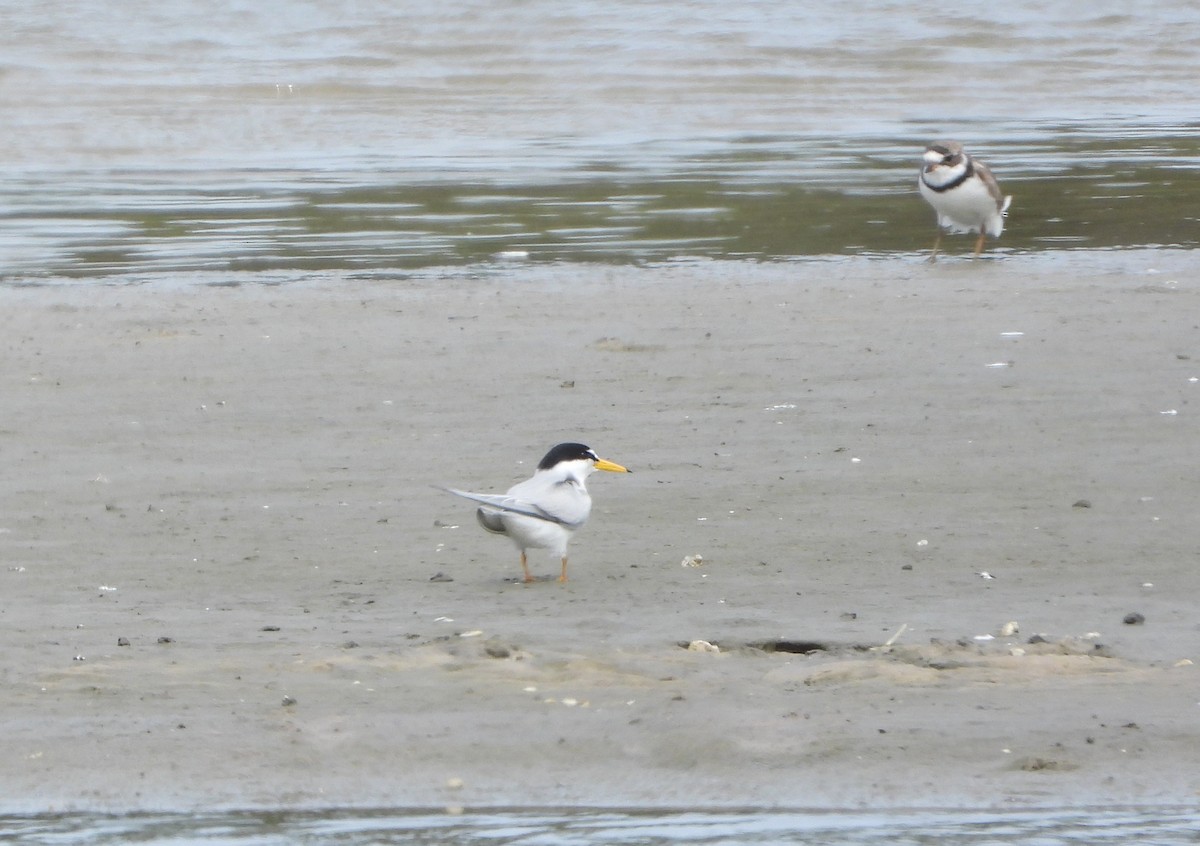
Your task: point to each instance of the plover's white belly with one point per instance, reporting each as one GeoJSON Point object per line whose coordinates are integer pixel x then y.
{"type": "Point", "coordinates": [968, 207]}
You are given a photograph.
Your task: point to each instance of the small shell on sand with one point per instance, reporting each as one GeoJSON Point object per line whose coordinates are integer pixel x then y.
{"type": "Point", "coordinates": [703, 646]}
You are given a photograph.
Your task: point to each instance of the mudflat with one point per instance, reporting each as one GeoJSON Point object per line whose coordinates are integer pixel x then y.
{"type": "Point", "coordinates": [897, 535]}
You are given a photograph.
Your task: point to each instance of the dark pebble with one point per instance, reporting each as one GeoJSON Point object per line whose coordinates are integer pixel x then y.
{"type": "Point", "coordinates": [1134, 619]}
{"type": "Point", "coordinates": [1038, 639]}
{"type": "Point", "coordinates": [440, 577]}
{"type": "Point", "coordinates": [122, 641]}
{"type": "Point", "coordinates": [166, 640]}
{"type": "Point", "coordinates": [269, 629]}
{"type": "Point", "coordinates": [1082, 503]}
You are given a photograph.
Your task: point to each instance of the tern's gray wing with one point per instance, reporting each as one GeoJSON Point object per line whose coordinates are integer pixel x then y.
{"type": "Point", "coordinates": [491, 520]}
{"type": "Point", "coordinates": [504, 502]}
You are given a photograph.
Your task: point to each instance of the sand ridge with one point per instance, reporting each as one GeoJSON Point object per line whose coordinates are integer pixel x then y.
{"type": "Point", "coordinates": [236, 481]}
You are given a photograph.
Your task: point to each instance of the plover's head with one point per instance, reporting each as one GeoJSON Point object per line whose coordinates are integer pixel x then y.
{"type": "Point", "coordinates": [943, 153]}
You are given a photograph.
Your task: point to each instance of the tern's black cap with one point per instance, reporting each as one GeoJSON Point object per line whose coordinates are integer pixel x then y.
{"type": "Point", "coordinates": [566, 452]}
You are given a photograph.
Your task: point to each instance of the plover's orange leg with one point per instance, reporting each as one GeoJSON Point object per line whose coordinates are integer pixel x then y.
{"type": "Point", "coordinates": [525, 568]}
{"type": "Point", "coordinates": [563, 576]}
{"type": "Point", "coordinates": [937, 242]}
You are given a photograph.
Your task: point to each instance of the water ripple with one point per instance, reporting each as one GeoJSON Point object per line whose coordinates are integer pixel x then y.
{"type": "Point", "coordinates": [593, 828]}
{"type": "Point", "coordinates": [768, 198]}
{"type": "Point", "coordinates": [175, 138]}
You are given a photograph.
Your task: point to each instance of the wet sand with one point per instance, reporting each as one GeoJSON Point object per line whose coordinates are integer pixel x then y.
{"type": "Point", "coordinates": [236, 482]}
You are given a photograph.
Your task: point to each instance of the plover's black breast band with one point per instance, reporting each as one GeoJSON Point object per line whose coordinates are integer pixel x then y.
{"type": "Point", "coordinates": [954, 183]}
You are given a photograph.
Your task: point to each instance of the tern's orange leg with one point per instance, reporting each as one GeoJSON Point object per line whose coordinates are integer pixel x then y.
{"type": "Point", "coordinates": [979, 244]}
{"type": "Point", "coordinates": [563, 577]}
{"type": "Point", "coordinates": [525, 567]}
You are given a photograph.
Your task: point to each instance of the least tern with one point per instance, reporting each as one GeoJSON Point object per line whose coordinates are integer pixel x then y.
{"type": "Point", "coordinates": [545, 510]}
{"type": "Point", "coordinates": [963, 192]}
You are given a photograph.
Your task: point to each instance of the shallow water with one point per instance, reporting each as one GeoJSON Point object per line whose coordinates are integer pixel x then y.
{"type": "Point", "coordinates": [1146, 827]}
{"type": "Point", "coordinates": [175, 138]}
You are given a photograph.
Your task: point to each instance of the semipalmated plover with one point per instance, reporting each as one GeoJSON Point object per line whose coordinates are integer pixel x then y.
{"type": "Point", "coordinates": [963, 192]}
{"type": "Point", "coordinates": [546, 509]}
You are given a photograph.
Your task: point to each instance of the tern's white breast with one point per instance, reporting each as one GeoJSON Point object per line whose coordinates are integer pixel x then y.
{"type": "Point", "coordinates": [530, 532]}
